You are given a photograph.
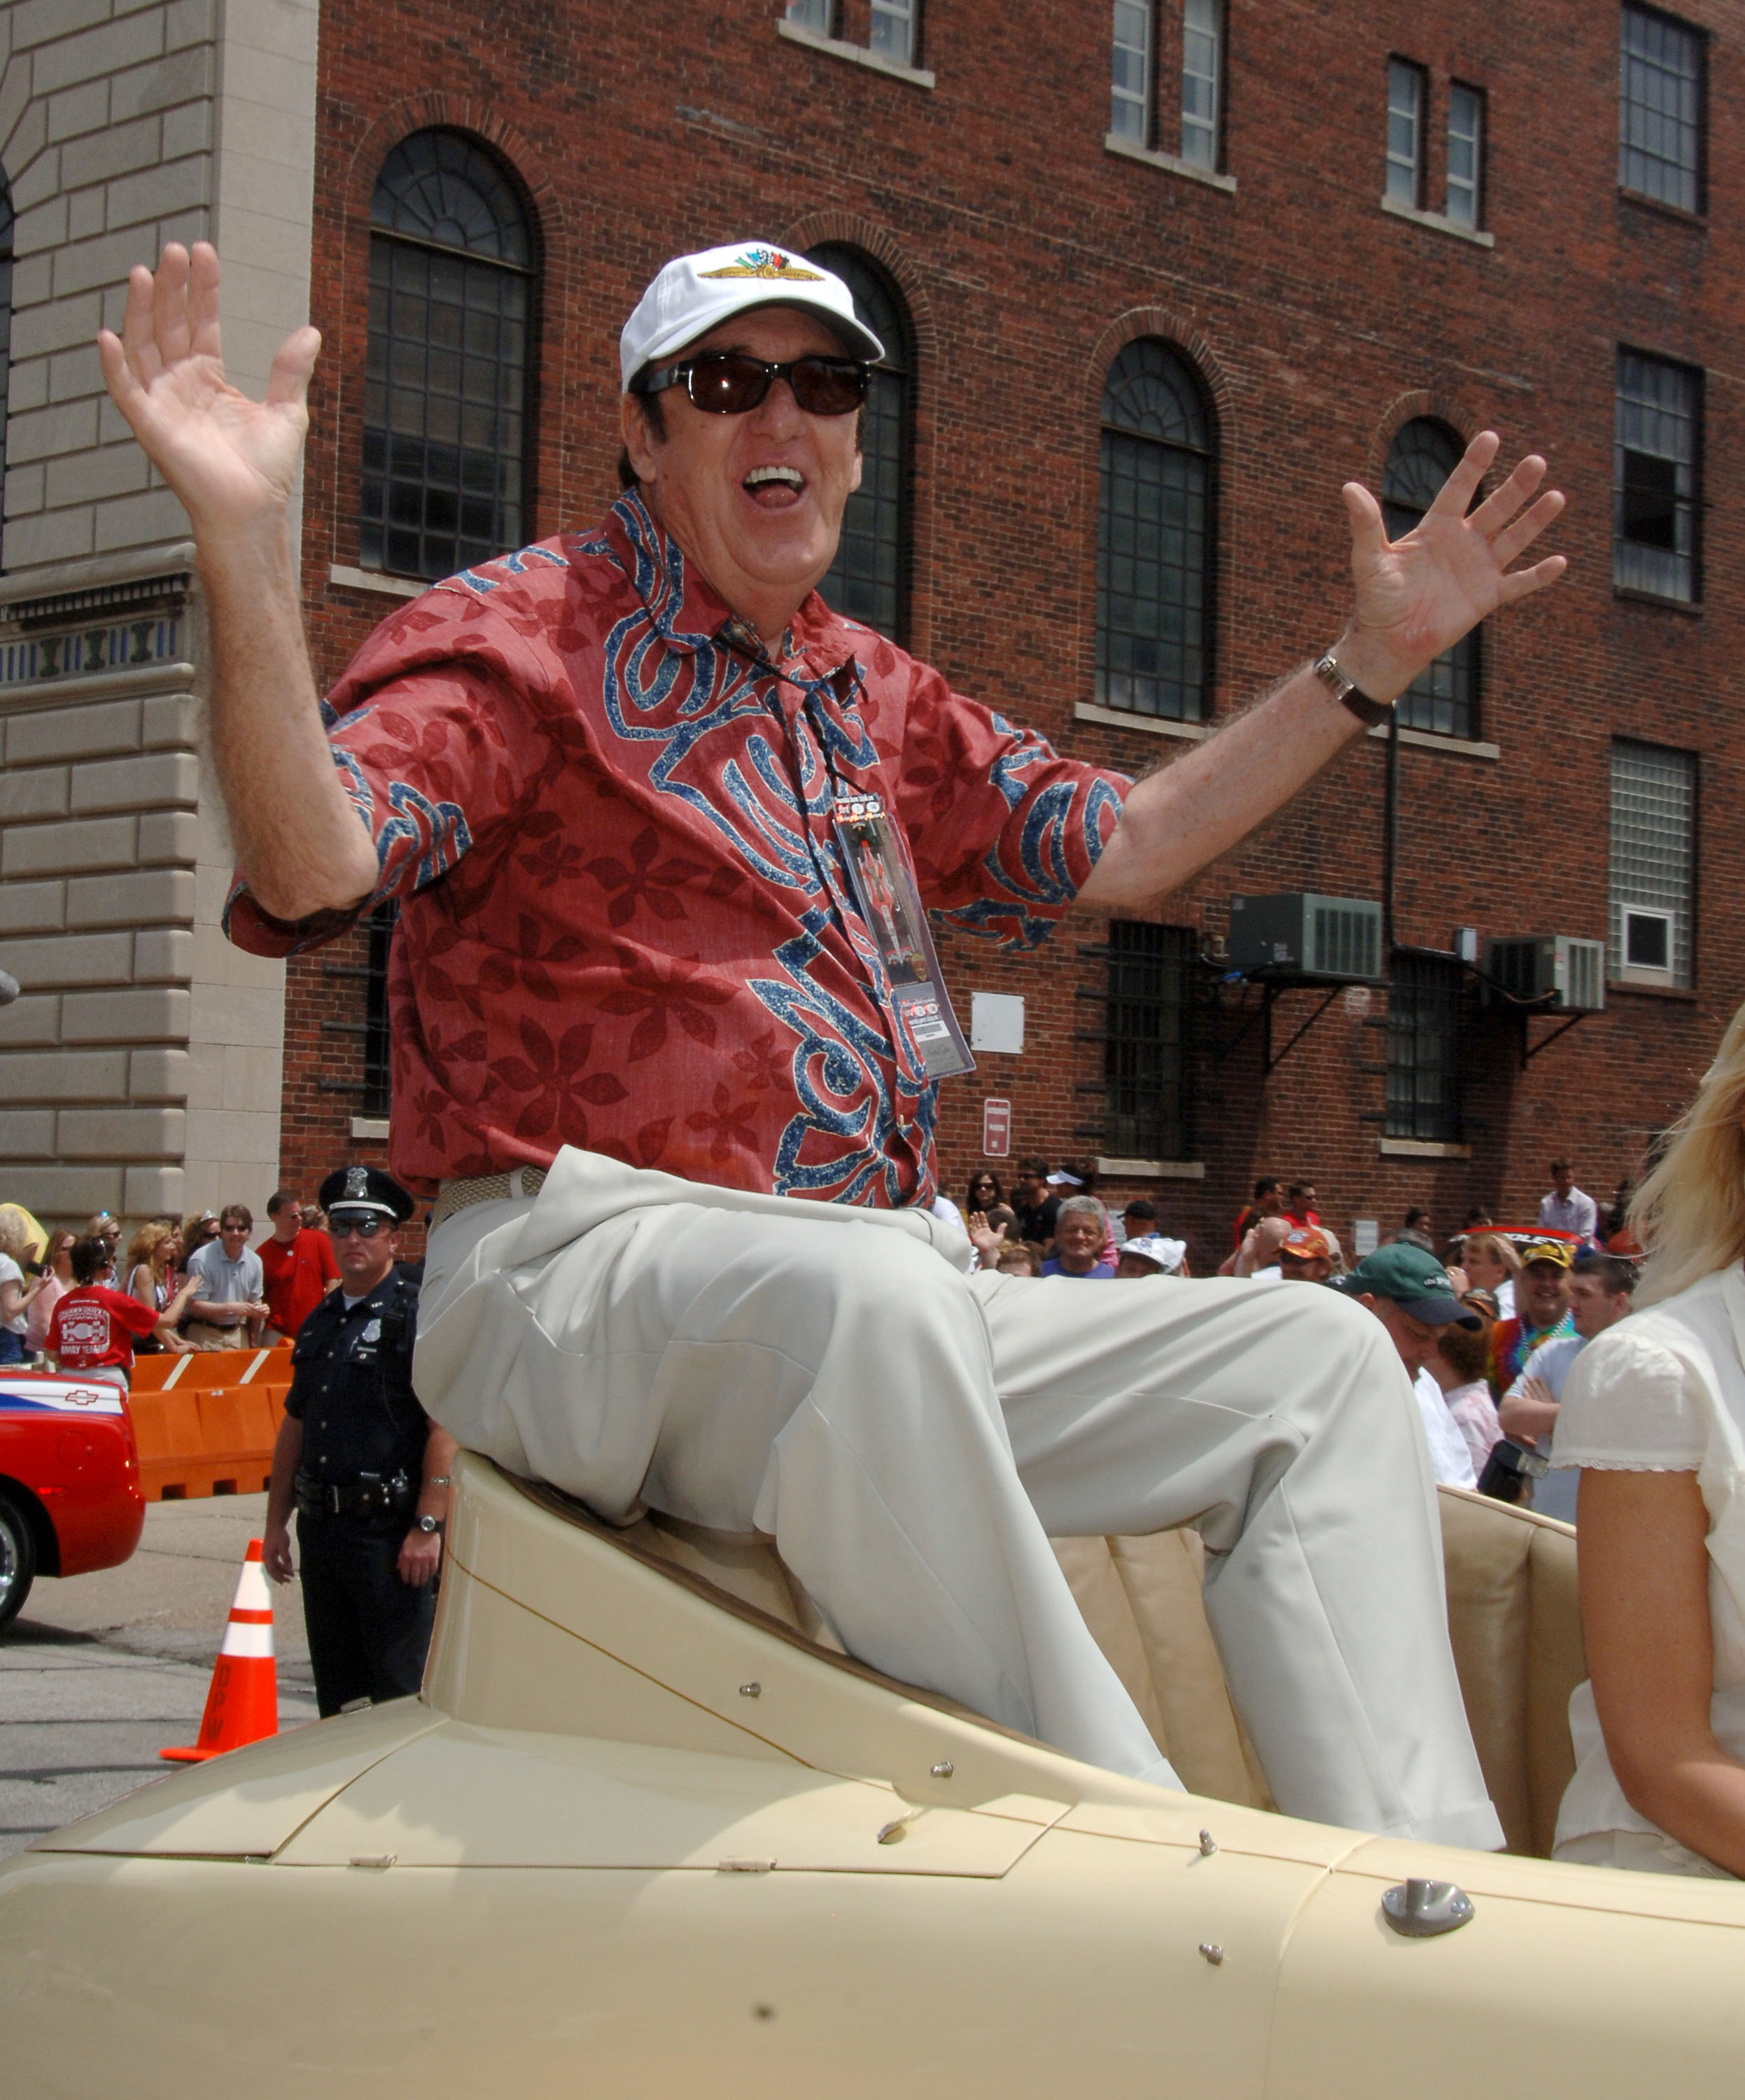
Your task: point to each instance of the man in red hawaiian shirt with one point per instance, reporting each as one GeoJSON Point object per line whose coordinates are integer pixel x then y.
{"type": "Point", "coordinates": [638, 1012]}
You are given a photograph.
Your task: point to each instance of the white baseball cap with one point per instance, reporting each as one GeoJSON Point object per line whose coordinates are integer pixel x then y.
{"type": "Point", "coordinates": [1168, 1254]}
{"type": "Point", "coordinates": [693, 293]}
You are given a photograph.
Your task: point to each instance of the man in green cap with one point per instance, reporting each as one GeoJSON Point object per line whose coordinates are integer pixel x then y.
{"type": "Point", "coordinates": [1412, 1295]}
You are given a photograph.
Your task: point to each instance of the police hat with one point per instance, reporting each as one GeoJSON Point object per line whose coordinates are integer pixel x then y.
{"type": "Point", "coordinates": [365, 1188]}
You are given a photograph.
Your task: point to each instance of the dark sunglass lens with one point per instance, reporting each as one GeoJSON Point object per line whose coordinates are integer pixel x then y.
{"type": "Point", "coordinates": [829, 385]}
{"type": "Point", "coordinates": [728, 385]}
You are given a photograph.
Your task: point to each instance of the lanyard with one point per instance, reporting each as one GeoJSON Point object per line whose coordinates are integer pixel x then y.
{"type": "Point", "coordinates": [901, 962]}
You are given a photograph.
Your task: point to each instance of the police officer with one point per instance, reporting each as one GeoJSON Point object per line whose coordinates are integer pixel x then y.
{"type": "Point", "coordinates": [367, 1470]}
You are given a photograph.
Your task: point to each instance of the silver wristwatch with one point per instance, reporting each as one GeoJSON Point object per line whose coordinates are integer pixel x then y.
{"type": "Point", "coordinates": [1345, 691]}
{"type": "Point", "coordinates": [427, 1524]}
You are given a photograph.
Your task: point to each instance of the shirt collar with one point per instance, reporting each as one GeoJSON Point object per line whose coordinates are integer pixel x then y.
{"type": "Point", "coordinates": [689, 613]}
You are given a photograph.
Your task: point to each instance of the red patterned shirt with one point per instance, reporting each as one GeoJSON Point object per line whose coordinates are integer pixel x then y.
{"type": "Point", "coordinates": [624, 921]}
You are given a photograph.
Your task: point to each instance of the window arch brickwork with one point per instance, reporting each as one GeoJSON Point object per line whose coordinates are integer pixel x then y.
{"type": "Point", "coordinates": [446, 391]}
{"type": "Point", "coordinates": [1444, 698]}
{"type": "Point", "coordinates": [869, 579]}
{"type": "Point", "coordinates": [1154, 539]}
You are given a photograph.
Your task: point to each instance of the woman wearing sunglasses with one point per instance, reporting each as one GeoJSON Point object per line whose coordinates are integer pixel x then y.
{"type": "Point", "coordinates": [618, 783]}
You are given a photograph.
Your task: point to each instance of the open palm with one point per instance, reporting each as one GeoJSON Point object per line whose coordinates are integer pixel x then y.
{"type": "Point", "coordinates": [1417, 595]}
{"type": "Point", "coordinates": [231, 461]}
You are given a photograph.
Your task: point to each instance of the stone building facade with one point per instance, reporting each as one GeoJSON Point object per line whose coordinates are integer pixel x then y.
{"type": "Point", "coordinates": [1153, 298]}
{"type": "Point", "coordinates": [140, 1070]}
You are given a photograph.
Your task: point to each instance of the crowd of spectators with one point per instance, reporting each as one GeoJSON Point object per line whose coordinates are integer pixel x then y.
{"type": "Point", "coordinates": [1512, 1307]}
{"type": "Point", "coordinates": [72, 1300]}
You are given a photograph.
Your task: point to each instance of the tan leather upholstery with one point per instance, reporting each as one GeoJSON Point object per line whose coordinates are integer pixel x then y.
{"type": "Point", "coordinates": [1514, 1616]}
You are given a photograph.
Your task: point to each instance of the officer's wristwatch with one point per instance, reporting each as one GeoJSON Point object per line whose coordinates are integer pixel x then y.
{"type": "Point", "coordinates": [427, 1524]}
{"type": "Point", "coordinates": [1344, 691]}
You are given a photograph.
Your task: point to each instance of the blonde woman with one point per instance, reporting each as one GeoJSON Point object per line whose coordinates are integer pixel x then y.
{"type": "Point", "coordinates": [18, 1287]}
{"type": "Point", "coordinates": [57, 1259]}
{"type": "Point", "coordinates": [1653, 1415]}
{"type": "Point", "coordinates": [151, 1257]}
{"type": "Point", "coordinates": [1491, 1263]}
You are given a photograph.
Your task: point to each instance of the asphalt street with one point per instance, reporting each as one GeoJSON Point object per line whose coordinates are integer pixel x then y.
{"type": "Point", "coordinates": [100, 1672]}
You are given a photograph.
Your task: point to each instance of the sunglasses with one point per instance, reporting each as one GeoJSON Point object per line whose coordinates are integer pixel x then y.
{"type": "Point", "coordinates": [732, 382]}
{"type": "Point", "coordinates": [365, 1228]}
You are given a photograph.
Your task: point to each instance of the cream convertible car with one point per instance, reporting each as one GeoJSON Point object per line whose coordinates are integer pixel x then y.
{"type": "Point", "coordinates": [644, 1834]}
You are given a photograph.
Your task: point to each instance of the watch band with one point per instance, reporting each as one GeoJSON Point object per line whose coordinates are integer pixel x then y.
{"type": "Point", "coordinates": [1345, 691]}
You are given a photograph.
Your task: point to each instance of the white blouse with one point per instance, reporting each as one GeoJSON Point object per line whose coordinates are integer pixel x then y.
{"type": "Point", "coordinates": [1663, 1392]}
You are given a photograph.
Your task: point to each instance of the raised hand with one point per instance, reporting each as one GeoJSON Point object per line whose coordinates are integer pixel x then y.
{"type": "Point", "coordinates": [1417, 595]}
{"type": "Point", "coordinates": [231, 461]}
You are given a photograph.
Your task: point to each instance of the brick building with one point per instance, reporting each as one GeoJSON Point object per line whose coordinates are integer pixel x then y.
{"type": "Point", "coordinates": [1151, 296]}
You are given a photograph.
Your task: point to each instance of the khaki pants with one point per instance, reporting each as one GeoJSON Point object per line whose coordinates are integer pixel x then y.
{"type": "Point", "coordinates": [204, 1334]}
{"type": "Point", "coordinates": [911, 1436]}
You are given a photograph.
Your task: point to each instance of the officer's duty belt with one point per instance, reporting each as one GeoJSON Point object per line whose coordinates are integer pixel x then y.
{"type": "Point", "coordinates": [485, 1188]}
{"type": "Point", "coordinates": [369, 1496]}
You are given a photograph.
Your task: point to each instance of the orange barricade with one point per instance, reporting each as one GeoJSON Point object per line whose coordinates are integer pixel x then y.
{"type": "Point", "coordinates": [206, 1422]}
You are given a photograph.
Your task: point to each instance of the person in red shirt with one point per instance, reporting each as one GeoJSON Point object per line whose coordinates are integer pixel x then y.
{"type": "Point", "coordinates": [92, 1327]}
{"type": "Point", "coordinates": [298, 1265]}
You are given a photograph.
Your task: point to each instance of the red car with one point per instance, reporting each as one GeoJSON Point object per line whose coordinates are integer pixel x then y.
{"type": "Point", "coordinates": [70, 1497]}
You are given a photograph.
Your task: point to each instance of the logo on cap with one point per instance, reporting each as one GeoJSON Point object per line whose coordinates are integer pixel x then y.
{"type": "Point", "coordinates": [765, 263]}
{"type": "Point", "coordinates": [357, 1182]}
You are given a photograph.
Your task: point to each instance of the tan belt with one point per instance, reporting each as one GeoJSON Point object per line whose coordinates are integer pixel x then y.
{"type": "Point", "coordinates": [485, 1188]}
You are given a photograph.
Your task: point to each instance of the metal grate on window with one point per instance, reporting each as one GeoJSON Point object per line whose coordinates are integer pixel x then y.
{"type": "Point", "coordinates": [1202, 77]}
{"type": "Point", "coordinates": [1425, 1009]}
{"type": "Point", "coordinates": [1154, 537]}
{"type": "Point", "coordinates": [445, 387]}
{"type": "Point", "coordinates": [1653, 794]}
{"type": "Point", "coordinates": [1657, 474]}
{"type": "Point", "coordinates": [1405, 133]}
{"type": "Point", "coordinates": [1130, 113]}
{"type": "Point", "coordinates": [378, 1075]}
{"type": "Point", "coordinates": [1443, 697]}
{"type": "Point", "coordinates": [1660, 109]}
{"type": "Point", "coordinates": [869, 579]}
{"type": "Point", "coordinates": [6, 318]}
{"type": "Point", "coordinates": [1148, 1030]}
{"type": "Point", "coordinates": [1465, 153]}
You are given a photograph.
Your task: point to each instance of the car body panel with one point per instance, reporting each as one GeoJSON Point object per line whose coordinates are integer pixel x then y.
{"type": "Point", "coordinates": [69, 1441]}
{"type": "Point", "coordinates": [629, 1840]}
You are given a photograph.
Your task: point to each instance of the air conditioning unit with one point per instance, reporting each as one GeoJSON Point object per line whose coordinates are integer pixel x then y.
{"type": "Point", "coordinates": [1571, 972]}
{"type": "Point", "coordinates": [1647, 939]}
{"type": "Point", "coordinates": [1303, 935]}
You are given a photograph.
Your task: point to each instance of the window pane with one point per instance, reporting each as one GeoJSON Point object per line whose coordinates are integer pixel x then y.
{"type": "Point", "coordinates": [893, 30]}
{"type": "Point", "coordinates": [1443, 697]}
{"type": "Point", "coordinates": [1147, 1041]}
{"type": "Point", "coordinates": [1202, 70]}
{"type": "Point", "coordinates": [1657, 474]}
{"type": "Point", "coordinates": [869, 579]}
{"type": "Point", "coordinates": [1405, 102]}
{"type": "Point", "coordinates": [443, 431]}
{"type": "Point", "coordinates": [1424, 1006]}
{"type": "Point", "coordinates": [1129, 116]}
{"type": "Point", "coordinates": [1465, 144]}
{"type": "Point", "coordinates": [1660, 109]}
{"type": "Point", "coordinates": [810, 15]}
{"type": "Point", "coordinates": [1153, 538]}
{"type": "Point", "coordinates": [1653, 847]}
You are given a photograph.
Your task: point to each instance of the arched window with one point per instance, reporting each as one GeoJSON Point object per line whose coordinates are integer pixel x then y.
{"type": "Point", "coordinates": [445, 410]}
{"type": "Point", "coordinates": [1444, 697]}
{"type": "Point", "coordinates": [6, 319]}
{"type": "Point", "coordinates": [1154, 537]}
{"type": "Point", "coordinates": [869, 579]}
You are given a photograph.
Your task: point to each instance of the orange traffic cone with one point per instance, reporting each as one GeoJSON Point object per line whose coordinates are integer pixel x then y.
{"type": "Point", "coordinates": [243, 1705]}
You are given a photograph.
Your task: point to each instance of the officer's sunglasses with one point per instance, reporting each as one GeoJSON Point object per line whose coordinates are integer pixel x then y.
{"type": "Point", "coordinates": [366, 1228]}
{"type": "Point", "coordinates": [732, 382]}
